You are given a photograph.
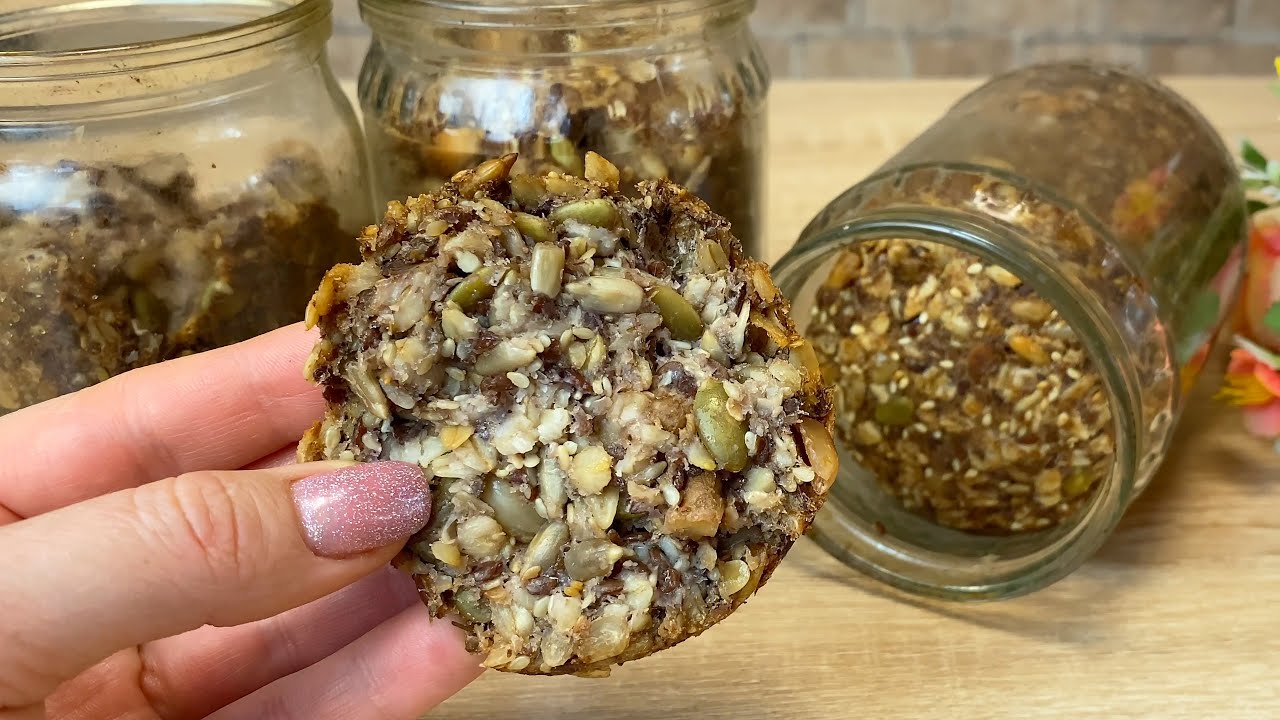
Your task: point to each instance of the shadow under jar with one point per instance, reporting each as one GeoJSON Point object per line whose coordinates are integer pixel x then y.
{"type": "Point", "coordinates": [173, 177]}
{"type": "Point", "coordinates": [1012, 310]}
{"type": "Point", "coordinates": [664, 89]}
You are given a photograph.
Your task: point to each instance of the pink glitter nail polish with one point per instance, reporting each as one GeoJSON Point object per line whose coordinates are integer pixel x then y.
{"type": "Point", "coordinates": [359, 508]}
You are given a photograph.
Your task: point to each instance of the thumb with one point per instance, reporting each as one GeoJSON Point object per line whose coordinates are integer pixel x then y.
{"type": "Point", "coordinates": [220, 548]}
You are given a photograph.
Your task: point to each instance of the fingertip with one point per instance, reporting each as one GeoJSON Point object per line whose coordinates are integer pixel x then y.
{"type": "Point", "coordinates": [403, 668]}
{"type": "Point", "coordinates": [423, 661]}
{"type": "Point", "coordinates": [361, 507]}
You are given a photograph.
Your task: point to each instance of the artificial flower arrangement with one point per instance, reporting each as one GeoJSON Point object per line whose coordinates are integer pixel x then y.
{"type": "Point", "coordinates": [1253, 375]}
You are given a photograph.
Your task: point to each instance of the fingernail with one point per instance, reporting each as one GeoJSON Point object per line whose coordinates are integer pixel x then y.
{"type": "Point", "coordinates": [362, 507]}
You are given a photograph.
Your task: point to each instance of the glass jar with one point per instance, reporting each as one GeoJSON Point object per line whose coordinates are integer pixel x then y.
{"type": "Point", "coordinates": [668, 89]}
{"type": "Point", "coordinates": [1011, 310]}
{"type": "Point", "coordinates": [173, 177]}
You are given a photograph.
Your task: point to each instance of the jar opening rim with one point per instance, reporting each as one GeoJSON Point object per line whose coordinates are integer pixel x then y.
{"type": "Point", "coordinates": [224, 26]}
{"type": "Point", "coordinates": [556, 15]}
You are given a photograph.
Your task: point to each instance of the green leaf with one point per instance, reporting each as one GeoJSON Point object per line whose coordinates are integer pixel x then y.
{"type": "Point", "coordinates": [1252, 156]}
{"type": "Point", "coordinates": [1273, 171]}
{"type": "Point", "coordinates": [1271, 320]}
{"type": "Point", "coordinates": [1201, 314]}
{"type": "Point", "coordinates": [1258, 352]}
{"type": "Point", "coordinates": [1256, 206]}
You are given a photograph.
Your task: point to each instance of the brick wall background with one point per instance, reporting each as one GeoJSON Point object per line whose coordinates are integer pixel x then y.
{"type": "Point", "coordinates": [933, 38]}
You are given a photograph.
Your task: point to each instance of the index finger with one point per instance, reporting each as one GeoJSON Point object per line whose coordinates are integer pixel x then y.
{"type": "Point", "coordinates": [221, 409]}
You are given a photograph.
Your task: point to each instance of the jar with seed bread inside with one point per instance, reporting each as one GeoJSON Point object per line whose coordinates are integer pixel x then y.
{"type": "Point", "coordinates": [168, 183]}
{"type": "Point", "coordinates": [1012, 311]}
{"type": "Point", "coordinates": [668, 90]}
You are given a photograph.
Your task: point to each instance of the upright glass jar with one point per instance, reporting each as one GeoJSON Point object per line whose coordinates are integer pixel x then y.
{"type": "Point", "coordinates": [173, 177]}
{"type": "Point", "coordinates": [663, 89]}
{"type": "Point", "coordinates": [1011, 310]}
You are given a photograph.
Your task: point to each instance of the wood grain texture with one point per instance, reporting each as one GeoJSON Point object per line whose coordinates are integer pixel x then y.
{"type": "Point", "coordinates": [1175, 618]}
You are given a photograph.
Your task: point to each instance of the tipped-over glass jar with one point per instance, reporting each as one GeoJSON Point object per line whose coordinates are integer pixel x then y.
{"type": "Point", "coordinates": [664, 89]}
{"type": "Point", "coordinates": [1011, 311]}
{"type": "Point", "coordinates": [173, 177]}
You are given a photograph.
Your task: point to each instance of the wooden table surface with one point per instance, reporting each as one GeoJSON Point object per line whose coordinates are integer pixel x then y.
{"type": "Point", "coordinates": [1176, 617]}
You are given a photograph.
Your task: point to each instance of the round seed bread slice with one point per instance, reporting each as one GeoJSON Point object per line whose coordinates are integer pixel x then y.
{"type": "Point", "coordinates": [623, 431]}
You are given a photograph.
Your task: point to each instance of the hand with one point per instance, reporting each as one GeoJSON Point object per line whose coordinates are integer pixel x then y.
{"type": "Point", "coordinates": [161, 556]}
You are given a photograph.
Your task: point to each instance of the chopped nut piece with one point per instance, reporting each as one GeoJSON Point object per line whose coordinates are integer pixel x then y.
{"type": "Point", "coordinates": [452, 436]}
{"type": "Point", "coordinates": [701, 508]}
{"type": "Point", "coordinates": [481, 536]}
{"type": "Point", "coordinates": [1029, 350]}
{"type": "Point", "coordinates": [602, 171]}
{"type": "Point", "coordinates": [591, 470]}
{"type": "Point", "coordinates": [734, 576]}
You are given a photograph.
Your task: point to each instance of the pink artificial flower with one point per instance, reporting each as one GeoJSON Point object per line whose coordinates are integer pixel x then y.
{"type": "Point", "coordinates": [1262, 282]}
{"type": "Point", "coordinates": [1253, 384]}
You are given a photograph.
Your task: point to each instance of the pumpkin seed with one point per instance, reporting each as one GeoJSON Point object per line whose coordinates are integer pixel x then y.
{"type": "Point", "coordinates": [566, 155]}
{"type": "Point", "coordinates": [469, 604]}
{"type": "Point", "coordinates": [150, 312]}
{"type": "Point", "coordinates": [677, 314]}
{"type": "Point", "coordinates": [528, 191]}
{"type": "Point", "coordinates": [1077, 483]}
{"type": "Point", "coordinates": [724, 436]}
{"type": "Point", "coordinates": [533, 227]}
{"type": "Point", "coordinates": [600, 212]}
{"type": "Point", "coordinates": [474, 288]}
{"type": "Point", "coordinates": [897, 411]}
